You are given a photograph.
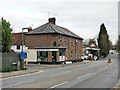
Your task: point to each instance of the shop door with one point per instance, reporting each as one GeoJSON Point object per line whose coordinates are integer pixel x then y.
{"type": "Point", "coordinates": [53, 57]}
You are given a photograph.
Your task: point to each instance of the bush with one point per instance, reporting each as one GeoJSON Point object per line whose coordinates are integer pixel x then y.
{"type": "Point", "coordinates": [23, 68]}
{"type": "Point", "coordinates": [15, 69]}
{"type": "Point", "coordinates": [6, 70]}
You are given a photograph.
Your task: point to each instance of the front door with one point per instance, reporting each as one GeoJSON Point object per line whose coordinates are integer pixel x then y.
{"type": "Point", "coordinates": [53, 57]}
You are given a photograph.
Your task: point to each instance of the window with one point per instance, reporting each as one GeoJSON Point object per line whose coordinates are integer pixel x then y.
{"type": "Point", "coordinates": [54, 43]}
{"type": "Point", "coordinates": [60, 37]}
{"type": "Point", "coordinates": [42, 56]}
{"type": "Point", "coordinates": [71, 41]}
{"type": "Point", "coordinates": [71, 54]}
{"type": "Point", "coordinates": [18, 47]}
{"type": "Point", "coordinates": [76, 42]}
{"type": "Point", "coordinates": [65, 40]}
{"type": "Point", "coordinates": [79, 54]}
{"type": "Point", "coordinates": [79, 42]}
{"type": "Point", "coordinates": [75, 54]}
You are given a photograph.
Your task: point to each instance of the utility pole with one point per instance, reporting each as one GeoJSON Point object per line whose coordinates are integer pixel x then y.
{"type": "Point", "coordinates": [22, 60]}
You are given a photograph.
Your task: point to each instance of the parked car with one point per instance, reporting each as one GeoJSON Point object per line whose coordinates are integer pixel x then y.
{"type": "Point", "coordinates": [84, 57]}
{"type": "Point", "coordinates": [111, 52]}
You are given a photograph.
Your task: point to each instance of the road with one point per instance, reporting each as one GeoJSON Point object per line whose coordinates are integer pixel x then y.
{"type": "Point", "coordinates": [97, 74]}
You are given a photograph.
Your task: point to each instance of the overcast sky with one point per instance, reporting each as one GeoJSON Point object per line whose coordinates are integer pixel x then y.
{"type": "Point", "coordinates": [80, 16]}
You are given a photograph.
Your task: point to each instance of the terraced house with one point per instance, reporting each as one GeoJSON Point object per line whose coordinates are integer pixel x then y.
{"type": "Point", "coordinates": [51, 43]}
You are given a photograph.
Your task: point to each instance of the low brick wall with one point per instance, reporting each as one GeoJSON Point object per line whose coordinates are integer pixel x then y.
{"type": "Point", "coordinates": [9, 58]}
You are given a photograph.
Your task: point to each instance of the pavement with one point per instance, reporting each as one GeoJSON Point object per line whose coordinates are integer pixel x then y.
{"type": "Point", "coordinates": [32, 68]}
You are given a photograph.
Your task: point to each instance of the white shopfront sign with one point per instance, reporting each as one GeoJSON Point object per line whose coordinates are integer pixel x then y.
{"type": "Point", "coordinates": [62, 58]}
{"type": "Point", "coordinates": [47, 49]}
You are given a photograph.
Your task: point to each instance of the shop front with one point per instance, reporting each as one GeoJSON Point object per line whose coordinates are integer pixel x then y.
{"type": "Point", "coordinates": [50, 55]}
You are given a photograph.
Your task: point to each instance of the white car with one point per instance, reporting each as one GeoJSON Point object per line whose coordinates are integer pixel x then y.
{"type": "Point", "coordinates": [84, 57]}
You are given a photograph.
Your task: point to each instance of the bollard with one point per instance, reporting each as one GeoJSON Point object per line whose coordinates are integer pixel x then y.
{"type": "Point", "coordinates": [109, 60]}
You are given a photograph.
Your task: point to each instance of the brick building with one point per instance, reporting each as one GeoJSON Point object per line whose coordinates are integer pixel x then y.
{"type": "Point", "coordinates": [51, 43]}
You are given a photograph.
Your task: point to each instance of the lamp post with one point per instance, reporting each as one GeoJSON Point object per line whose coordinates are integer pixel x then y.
{"type": "Point", "coordinates": [22, 60]}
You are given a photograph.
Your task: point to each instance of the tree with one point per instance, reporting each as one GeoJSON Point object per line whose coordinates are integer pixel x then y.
{"type": "Point", "coordinates": [6, 36]}
{"type": "Point", "coordinates": [103, 40]}
{"type": "Point", "coordinates": [110, 44]}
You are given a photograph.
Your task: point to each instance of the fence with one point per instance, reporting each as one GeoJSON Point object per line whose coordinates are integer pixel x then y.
{"type": "Point", "coordinates": [8, 59]}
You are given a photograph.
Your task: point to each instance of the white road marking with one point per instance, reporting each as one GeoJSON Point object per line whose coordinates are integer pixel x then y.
{"type": "Point", "coordinates": [20, 75]}
{"type": "Point", "coordinates": [59, 74]}
{"type": "Point", "coordinates": [59, 84]}
{"type": "Point", "coordinates": [18, 84]}
{"type": "Point", "coordinates": [83, 76]}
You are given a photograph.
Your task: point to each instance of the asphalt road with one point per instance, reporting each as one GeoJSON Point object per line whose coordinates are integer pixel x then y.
{"type": "Point", "coordinates": [97, 74]}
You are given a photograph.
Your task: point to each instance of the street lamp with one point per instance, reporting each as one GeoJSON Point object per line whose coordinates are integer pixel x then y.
{"type": "Point", "coordinates": [22, 60]}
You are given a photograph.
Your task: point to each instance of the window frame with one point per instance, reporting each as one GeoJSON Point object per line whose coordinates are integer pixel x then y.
{"type": "Point", "coordinates": [71, 54]}
{"type": "Point", "coordinates": [76, 41]}
{"type": "Point", "coordinates": [65, 40]}
{"type": "Point", "coordinates": [75, 54]}
{"type": "Point", "coordinates": [60, 38]}
{"type": "Point", "coordinates": [17, 47]}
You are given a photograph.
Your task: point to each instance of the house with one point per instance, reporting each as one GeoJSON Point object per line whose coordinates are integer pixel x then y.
{"type": "Point", "coordinates": [92, 51]}
{"type": "Point", "coordinates": [51, 43]}
{"type": "Point", "coordinates": [17, 42]}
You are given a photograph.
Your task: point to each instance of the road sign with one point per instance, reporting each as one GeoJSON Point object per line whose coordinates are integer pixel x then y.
{"type": "Point", "coordinates": [23, 55]}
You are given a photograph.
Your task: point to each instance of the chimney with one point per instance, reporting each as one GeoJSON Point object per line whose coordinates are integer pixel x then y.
{"type": "Point", "coordinates": [52, 20]}
{"type": "Point", "coordinates": [29, 29]}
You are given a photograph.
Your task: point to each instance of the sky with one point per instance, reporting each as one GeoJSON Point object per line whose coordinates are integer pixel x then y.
{"type": "Point", "coordinates": [83, 17]}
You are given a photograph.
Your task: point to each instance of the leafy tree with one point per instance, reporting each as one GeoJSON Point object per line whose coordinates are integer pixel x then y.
{"type": "Point", "coordinates": [103, 40]}
{"type": "Point", "coordinates": [110, 44]}
{"type": "Point", "coordinates": [6, 36]}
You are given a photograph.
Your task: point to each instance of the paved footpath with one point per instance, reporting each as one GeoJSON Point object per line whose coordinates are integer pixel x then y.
{"type": "Point", "coordinates": [32, 68]}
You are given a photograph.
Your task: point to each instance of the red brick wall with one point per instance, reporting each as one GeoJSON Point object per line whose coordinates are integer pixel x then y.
{"type": "Point", "coordinates": [32, 41]}
{"type": "Point", "coordinates": [73, 47]}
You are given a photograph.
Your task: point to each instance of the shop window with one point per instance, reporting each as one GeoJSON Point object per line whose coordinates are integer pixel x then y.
{"type": "Point", "coordinates": [42, 56]}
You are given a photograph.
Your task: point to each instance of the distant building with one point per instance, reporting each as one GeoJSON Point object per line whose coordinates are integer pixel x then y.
{"type": "Point", "coordinates": [17, 42]}
{"type": "Point", "coordinates": [51, 43]}
{"type": "Point", "coordinates": [91, 51]}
